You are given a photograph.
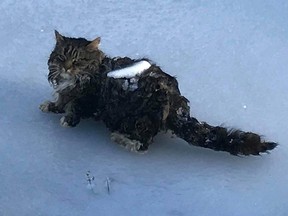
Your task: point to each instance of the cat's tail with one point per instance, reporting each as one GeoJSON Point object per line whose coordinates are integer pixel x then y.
{"type": "Point", "coordinates": [201, 134]}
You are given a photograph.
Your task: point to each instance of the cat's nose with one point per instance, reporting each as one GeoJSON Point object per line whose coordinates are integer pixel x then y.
{"type": "Point", "coordinates": [68, 69]}
{"type": "Point", "coordinates": [68, 66]}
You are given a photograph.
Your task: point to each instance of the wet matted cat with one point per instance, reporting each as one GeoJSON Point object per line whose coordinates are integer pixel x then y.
{"type": "Point", "coordinates": [134, 98]}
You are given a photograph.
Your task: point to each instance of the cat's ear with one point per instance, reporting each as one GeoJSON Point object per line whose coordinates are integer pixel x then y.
{"type": "Point", "coordinates": [59, 38]}
{"type": "Point", "coordinates": [93, 45]}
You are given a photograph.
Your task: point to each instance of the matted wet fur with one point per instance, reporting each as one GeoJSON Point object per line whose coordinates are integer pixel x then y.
{"type": "Point", "coordinates": [134, 108]}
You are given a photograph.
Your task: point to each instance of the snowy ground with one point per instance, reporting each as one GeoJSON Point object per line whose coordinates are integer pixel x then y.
{"type": "Point", "coordinates": [230, 58]}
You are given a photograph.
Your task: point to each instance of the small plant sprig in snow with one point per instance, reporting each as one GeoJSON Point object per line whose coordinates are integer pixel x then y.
{"type": "Point", "coordinates": [108, 184]}
{"type": "Point", "coordinates": [90, 180]}
{"type": "Point", "coordinates": [91, 185]}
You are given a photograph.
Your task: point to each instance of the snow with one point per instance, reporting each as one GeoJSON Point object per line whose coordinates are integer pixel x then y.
{"type": "Point", "coordinates": [224, 54]}
{"type": "Point", "coordinates": [131, 71]}
{"type": "Point", "coordinates": [130, 85]}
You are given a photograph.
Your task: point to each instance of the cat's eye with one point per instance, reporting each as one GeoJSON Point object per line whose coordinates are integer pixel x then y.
{"type": "Point", "coordinates": [78, 63]}
{"type": "Point", "coordinates": [83, 59]}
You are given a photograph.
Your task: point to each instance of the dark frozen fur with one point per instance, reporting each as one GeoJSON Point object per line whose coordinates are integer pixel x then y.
{"type": "Point", "coordinates": [78, 72]}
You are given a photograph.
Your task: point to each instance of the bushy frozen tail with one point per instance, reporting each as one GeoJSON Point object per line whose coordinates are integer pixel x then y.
{"type": "Point", "coordinates": [218, 138]}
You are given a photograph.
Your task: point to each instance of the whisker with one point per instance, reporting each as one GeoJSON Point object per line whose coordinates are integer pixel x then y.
{"type": "Point", "coordinates": [54, 74]}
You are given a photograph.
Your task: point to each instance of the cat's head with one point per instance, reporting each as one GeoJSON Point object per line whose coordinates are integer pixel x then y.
{"type": "Point", "coordinates": [73, 59]}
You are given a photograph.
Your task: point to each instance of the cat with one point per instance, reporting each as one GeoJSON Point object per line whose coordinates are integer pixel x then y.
{"type": "Point", "coordinates": [134, 98]}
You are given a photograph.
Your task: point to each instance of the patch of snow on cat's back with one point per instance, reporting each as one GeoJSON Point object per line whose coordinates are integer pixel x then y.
{"type": "Point", "coordinates": [131, 71]}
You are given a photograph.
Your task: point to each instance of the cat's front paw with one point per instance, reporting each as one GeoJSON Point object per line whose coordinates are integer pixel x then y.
{"type": "Point", "coordinates": [69, 121]}
{"type": "Point", "coordinates": [63, 122]}
{"type": "Point", "coordinates": [126, 142]}
{"type": "Point", "coordinates": [44, 107]}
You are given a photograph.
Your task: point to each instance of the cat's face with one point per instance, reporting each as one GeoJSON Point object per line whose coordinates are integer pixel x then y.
{"type": "Point", "coordinates": [73, 58]}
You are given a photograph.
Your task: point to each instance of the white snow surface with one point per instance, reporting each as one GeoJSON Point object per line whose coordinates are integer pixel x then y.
{"type": "Point", "coordinates": [132, 71]}
{"type": "Point", "coordinates": [225, 54]}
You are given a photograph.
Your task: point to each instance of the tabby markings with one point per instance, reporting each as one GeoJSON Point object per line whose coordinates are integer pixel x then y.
{"type": "Point", "coordinates": [131, 71]}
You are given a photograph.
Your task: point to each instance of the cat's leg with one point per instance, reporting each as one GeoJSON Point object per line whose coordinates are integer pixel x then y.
{"type": "Point", "coordinates": [136, 134]}
{"type": "Point", "coordinates": [72, 116]}
{"type": "Point", "coordinates": [55, 107]}
{"type": "Point", "coordinates": [124, 140]}
{"type": "Point", "coordinates": [49, 106]}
